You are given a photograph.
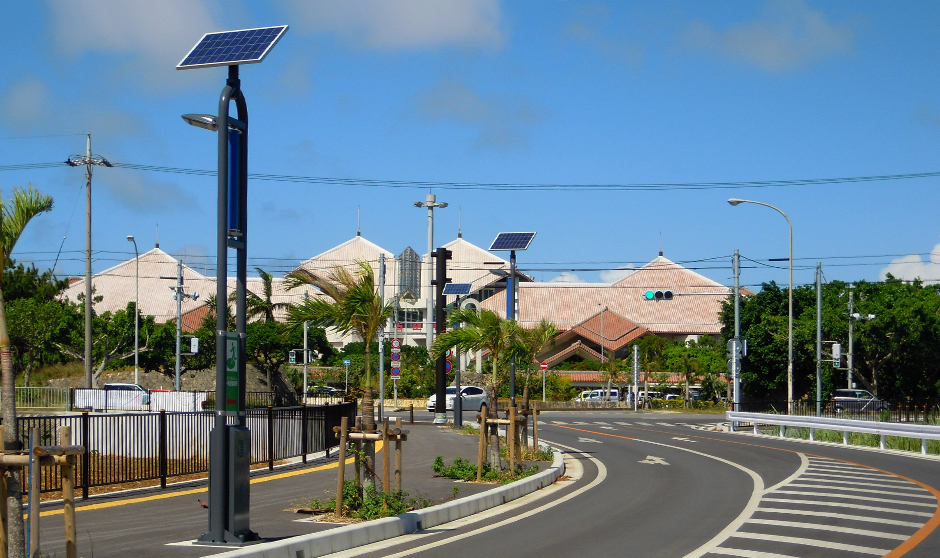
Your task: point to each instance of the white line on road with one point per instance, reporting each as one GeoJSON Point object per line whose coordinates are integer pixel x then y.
{"type": "Point", "coordinates": [599, 422]}
{"type": "Point", "coordinates": [665, 424]}
{"type": "Point", "coordinates": [681, 439]}
{"type": "Point", "coordinates": [589, 441]}
{"type": "Point", "coordinates": [833, 515]}
{"type": "Point", "coordinates": [828, 479]}
{"type": "Point", "coordinates": [609, 427]}
{"type": "Point", "coordinates": [622, 423]}
{"type": "Point", "coordinates": [923, 493]}
{"type": "Point", "coordinates": [849, 506]}
{"type": "Point", "coordinates": [832, 528]}
{"type": "Point", "coordinates": [811, 542]}
{"type": "Point", "coordinates": [865, 498]}
{"type": "Point", "coordinates": [804, 463]}
{"type": "Point", "coordinates": [740, 553]}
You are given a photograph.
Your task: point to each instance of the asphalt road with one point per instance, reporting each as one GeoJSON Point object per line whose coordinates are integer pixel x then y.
{"type": "Point", "coordinates": [666, 484]}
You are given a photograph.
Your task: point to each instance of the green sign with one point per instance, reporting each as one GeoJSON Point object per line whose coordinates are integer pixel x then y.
{"type": "Point", "coordinates": [232, 356]}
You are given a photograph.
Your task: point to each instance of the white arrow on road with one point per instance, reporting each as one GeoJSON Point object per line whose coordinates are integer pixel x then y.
{"type": "Point", "coordinates": [653, 460]}
{"type": "Point", "coordinates": [590, 440]}
{"type": "Point", "coordinates": [681, 439]}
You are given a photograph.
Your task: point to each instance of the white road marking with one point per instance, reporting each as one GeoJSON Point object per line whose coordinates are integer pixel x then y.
{"type": "Point", "coordinates": [653, 460]}
{"type": "Point", "coordinates": [599, 422]}
{"type": "Point", "coordinates": [645, 423]}
{"type": "Point", "coordinates": [601, 475]}
{"type": "Point", "coordinates": [589, 441]}
{"type": "Point", "coordinates": [804, 463]}
{"type": "Point", "coordinates": [833, 515]}
{"type": "Point", "coordinates": [609, 427]}
{"type": "Point", "coordinates": [869, 490]}
{"type": "Point", "coordinates": [558, 422]}
{"type": "Point", "coordinates": [622, 423]}
{"type": "Point", "coordinates": [748, 553]}
{"type": "Point", "coordinates": [811, 542]}
{"type": "Point", "coordinates": [849, 506]}
{"type": "Point", "coordinates": [828, 480]}
{"type": "Point", "coordinates": [853, 497]}
{"type": "Point", "coordinates": [832, 528]}
{"type": "Point", "coordinates": [577, 422]}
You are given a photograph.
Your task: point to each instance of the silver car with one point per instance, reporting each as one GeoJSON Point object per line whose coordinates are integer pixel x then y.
{"type": "Point", "coordinates": [472, 398]}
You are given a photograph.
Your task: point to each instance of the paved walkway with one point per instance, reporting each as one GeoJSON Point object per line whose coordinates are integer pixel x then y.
{"type": "Point", "coordinates": [153, 523]}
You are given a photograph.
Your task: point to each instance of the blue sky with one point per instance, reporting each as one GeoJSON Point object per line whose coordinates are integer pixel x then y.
{"type": "Point", "coordinates": [485, 91]}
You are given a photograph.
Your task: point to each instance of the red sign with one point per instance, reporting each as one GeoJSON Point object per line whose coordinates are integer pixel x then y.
{"type": "Point", "coordinates": [543, 365]}
{"type": "Point", "coordinates": [447, 367]}
{"type": "Point", "coordinates": [396, 343]}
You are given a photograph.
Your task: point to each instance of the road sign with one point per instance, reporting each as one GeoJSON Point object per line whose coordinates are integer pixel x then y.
{"type": "Point", "coordinates": [396, 357]}
{"type": "Point", "coordinates": [232, 357]}
{"type": "Point", "coordinates": [543, 366]}
{"type": "Point", "coordinates": [347, 362]}
{"type": "Point", "coordinates": [396, 344]}
{"type": "Point", "coordinates": [396, 364]}
{"type": "Point", "coordinates": [447, 367]}
{"type": "Point", "coordinates": [734, 366]}
{"type": "Point", "coordinates": [396, 373]}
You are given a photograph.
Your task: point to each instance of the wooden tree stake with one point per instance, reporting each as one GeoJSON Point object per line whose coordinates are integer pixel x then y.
{"type": "Point", "coordinates": [341, 465]}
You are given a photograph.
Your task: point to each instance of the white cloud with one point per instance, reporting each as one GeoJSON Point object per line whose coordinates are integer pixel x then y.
{"type": "Point", "coordinates": [403, 24]}
{"type": "Point", "coordinates": [788, 36]}
{"type": "Point", "coordinates": [502, 120]}
{"type": "Point", "coordinates": [614, 275]}
{"type": "Point", "coordinates": [566, 277]}
{"type": "Point", "coordinates": [914, 267]}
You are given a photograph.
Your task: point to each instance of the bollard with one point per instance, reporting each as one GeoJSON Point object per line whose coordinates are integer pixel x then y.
{"type": "Point", "coordinates": [482, 449]}
{"type": "Point", "coordinates": [411, 412]}
{"type": "Point", "coordinates": [535, 429]}
{"type": "Point", "coordinates": [398, 457]}
{"type": "Point", "coordinates": [341, 466]}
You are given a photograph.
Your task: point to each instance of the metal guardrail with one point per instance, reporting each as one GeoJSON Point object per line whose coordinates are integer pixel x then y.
{"type": "Point", "coordinates": [923, 432]}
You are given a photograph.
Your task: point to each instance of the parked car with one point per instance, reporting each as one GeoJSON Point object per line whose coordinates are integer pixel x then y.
{"type": "Point", "coordinates": [857, 400]}
{"type": "Point", "coordinates": [326, 390]}
{"type": "Point", "coordinates": [646, 396]}
{"type": "Point", "coordinates": [597, 395]}
{"type": "Point", "coordinates": [472, 398]}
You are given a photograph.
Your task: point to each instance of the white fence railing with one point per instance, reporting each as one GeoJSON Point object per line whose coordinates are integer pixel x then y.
{"type": "Point", "coordinates": [923, 432]}
{"type": "Point", "coordinates": [30, 397]}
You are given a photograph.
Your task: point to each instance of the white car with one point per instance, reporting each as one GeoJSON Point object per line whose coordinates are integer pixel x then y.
{"type": "Point", "coordinates": [472, 398]}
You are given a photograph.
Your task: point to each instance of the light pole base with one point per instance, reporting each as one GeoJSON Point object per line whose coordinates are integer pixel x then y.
{"type": "Point", "coordinates": [440, 418]}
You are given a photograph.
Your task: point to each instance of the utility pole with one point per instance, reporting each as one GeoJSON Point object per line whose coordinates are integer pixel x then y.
{"type": "Point", "coordinates": [851, 355]}
{"type": "Point", "coordinates": [382, 340]}
{"type": "Point", "coordinates": [87, 161]}
{"type": "Point", "coordinates": [636, 375]}
{"type": "Point", "coordinates": [306, 354]}
{"type": "Point", "coordinates": [179, 316]}
{"type": "Point", "coordinates": [737, 327]}
{"type": "Point", "coordinates": [430, 202]}
{"type": "Point", "coordinates": [819, 339]}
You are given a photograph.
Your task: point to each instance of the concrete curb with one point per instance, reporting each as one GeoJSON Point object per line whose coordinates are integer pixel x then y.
{"type": "Point", "coordinates": [351, 536]}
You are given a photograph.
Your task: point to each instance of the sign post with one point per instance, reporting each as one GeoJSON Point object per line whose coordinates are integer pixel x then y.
{"type": "Point", "coordinates": [544, 367]}
{"type": "Point", "coordinates": [396, 367]}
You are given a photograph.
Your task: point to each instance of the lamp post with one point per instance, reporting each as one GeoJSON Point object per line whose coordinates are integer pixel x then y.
{"type": "Point", "coordinates": [130, 238]}
{"type": "Point", "coordinates": [430, 202]}
{"type": "Point", "coordinates": [736, 201]}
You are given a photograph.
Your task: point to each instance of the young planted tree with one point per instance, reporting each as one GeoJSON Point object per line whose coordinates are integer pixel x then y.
{"type": "Point", "coordinates": [14, 216]}
{"type": "Point", "coordinates": [530, 343]}
{"type": "Point", "coordinates": [483, 330]}
{"type": "Point", "coordinates": [351, 303]}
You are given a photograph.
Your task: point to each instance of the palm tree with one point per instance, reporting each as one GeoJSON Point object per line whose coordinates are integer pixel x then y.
{"type": "Point", "coordinates": [13, 220]}
{"type": "Point", "coordinates": [262, 305]}
{"type": "Point", "coordinates": [478, 331]}
{"type": "Point", "coordinates": [529, 343]}
{"type": "Point", "coordinates": [351, 304]}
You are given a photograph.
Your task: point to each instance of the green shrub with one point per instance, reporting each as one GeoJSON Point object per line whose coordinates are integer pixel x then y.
{"type": "Point", "coordinates": [464, 469]}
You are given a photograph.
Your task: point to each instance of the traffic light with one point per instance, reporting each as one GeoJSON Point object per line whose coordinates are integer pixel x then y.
{"type": "Point", "coordinates": [658, 295]}
{"type": "Point", "coordinates": [836, 355]}
{"type": "Point", "coordinates": [293, 357]}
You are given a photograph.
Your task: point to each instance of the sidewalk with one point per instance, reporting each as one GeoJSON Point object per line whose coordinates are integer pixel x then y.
{"type": "Point", "coordinates": [141, 524]}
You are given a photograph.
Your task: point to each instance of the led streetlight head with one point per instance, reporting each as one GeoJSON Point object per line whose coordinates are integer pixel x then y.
{"type": "Point", "coordinates": [419, 204]}
{"type": "Point", "coordinates": [735, 201]}
{"type": "Point", "coordinates": [205, 121]}
{"type": "Point", "coordinates": [130, 238]}
{"type": "Point", "coordinates": [442, 205]}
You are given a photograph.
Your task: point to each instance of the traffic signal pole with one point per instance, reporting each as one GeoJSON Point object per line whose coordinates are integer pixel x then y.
{"type": "Point", "coordinates": [440, 406]}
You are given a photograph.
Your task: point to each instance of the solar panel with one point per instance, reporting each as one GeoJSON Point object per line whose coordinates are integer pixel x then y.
{"type": "Point", "coordinates": [246, 46]}
{"type": "Point", "coordinates": [512, 241]}
{"type": "Point", "coordinates": [457, 288]}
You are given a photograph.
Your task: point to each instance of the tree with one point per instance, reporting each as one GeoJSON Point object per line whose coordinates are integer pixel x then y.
{"type": "Point", "coordinates": [267, 348]}
{"type": "Point", "coordinates": [20, 281]}
{"type": "Point", "coordinates": [14, 217]}
{"type": "Point", "coordinates": [35, 329]}
{"type": "Point", "coordinates": [483, 330]}
{"type": "Point", "coordinates": [529, 344]}
{"type": "Point", "coordinates": [350, 303]}
{"type": "Point", "coordinates": [262, 305]}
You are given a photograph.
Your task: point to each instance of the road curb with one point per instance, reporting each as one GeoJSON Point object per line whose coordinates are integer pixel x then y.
{"type": "Point", "coordinates": [351, 536]}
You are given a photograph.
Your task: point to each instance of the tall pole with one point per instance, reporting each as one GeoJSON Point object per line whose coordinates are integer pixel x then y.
{"type": "Point", "coordinates": [440, 410]}
{"type": "Point", "coordinates": [136, 312]}
{"type": "Point", "coordinates": [88, 302]}
{"type": "Point", "coordinates": [636, 375]}
{"type": "Point", "coordinates": [306, 354]}
{"type": "Point", "coordinates": [382, 340]}
{"type": "Point", "coordinates": [736, 201]}
{"type": "Point", "coordinates": [179, 317]}
{"type": "Point", "coordinates": [429, 336]}
{"type": "Point", "coordinates": [736, 376]}
{"type": "Point", "coordinates": [818, 339]}
{"type": "Point", "coordinates": [851, 355]}
{"type": "Point", "coordinates": [511, 315]}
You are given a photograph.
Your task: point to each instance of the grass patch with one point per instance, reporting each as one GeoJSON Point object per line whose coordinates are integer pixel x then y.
{"type": "Point", "coordinates": [369, 503]}
{"type": "Point", "coordinates": [857, 439]}
{"type": "Point", "coordinates": [464, 469]}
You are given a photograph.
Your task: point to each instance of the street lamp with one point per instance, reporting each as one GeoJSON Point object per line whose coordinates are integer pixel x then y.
{"type": "Point", "coordinates": [430, 203]}
{"type": "Point", "coordinates": [130, 238]}
{"type": "Point", "coordinates": [736, 201]}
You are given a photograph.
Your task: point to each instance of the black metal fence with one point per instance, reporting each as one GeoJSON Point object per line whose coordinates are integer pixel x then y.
{"type": "Point", "coordinates": [923, 412]}
{"type": "Point", "coordinates": [132, 447]}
